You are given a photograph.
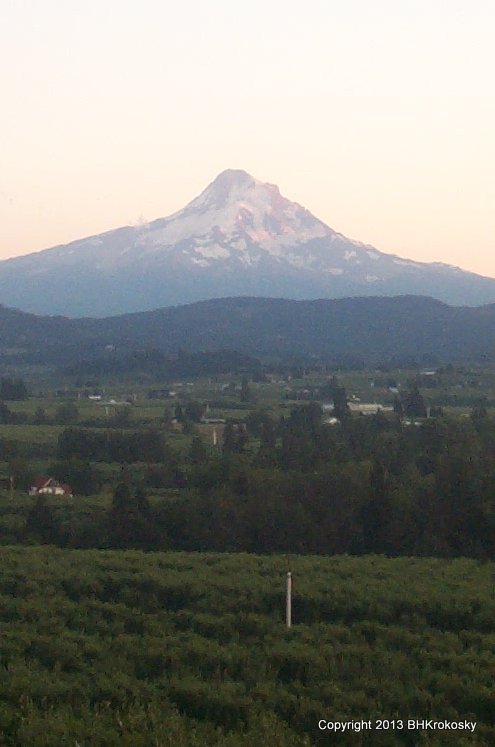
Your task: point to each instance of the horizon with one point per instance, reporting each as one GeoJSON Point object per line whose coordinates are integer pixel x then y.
{"type": "Point", "coordinates": [377, 120]}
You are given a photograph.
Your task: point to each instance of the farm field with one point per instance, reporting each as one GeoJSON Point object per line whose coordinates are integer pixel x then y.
{"type": "Point", "coordinates": [128, 648]}
{"type": "Point", "coordinates": [144, 605]}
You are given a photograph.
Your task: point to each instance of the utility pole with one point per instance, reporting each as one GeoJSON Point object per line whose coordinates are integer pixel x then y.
{"type": "Point", "coordinates": [288, 608]}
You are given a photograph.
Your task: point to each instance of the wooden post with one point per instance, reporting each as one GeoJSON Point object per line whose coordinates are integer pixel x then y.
{"type": "Point", "coordinates": [288, 611]}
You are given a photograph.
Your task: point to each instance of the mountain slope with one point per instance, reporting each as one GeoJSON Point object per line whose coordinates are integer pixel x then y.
{"type": "Point", "coordinates": [367, 330]}
{"type": "Point", "coordinates": [239, 237]}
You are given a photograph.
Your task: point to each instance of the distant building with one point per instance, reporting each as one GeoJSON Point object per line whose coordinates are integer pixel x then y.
{"type": "Point", "coordinates": [162, 393]}
{"type": "Point", "coordinates": [301, 394]}
{"type": "Point", "coordinates": [116, 403]}
{"type": "Point", "coordinates": [331, 421]}
{"type": "Point", "coordinates": [369, 408]}
{"type": "Point", "coordinates": [44, 485]}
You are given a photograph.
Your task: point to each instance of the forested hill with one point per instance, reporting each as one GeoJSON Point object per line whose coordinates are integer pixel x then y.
{"type": "Point", "coordinates": [365, 330]}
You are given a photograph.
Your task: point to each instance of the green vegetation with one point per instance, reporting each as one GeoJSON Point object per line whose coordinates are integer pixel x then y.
{"type": "Point", "coordinates": [12, 389]}
{"type": "Point", "coordinates": [112, 648]}
{"type": "Point", "coordinates": [366, 485]}
{"type": "Point", "coordinates": [104, 644]}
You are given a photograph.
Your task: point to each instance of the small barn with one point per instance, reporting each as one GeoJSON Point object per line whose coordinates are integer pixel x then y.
{"type": "Point", "coordinates": [45, 485]}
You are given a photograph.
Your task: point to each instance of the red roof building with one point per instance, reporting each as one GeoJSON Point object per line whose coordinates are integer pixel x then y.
{"type": "Point", "coordinates": [45, 485]}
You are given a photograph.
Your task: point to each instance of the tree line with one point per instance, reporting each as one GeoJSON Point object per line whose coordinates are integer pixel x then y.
{"type": "Point", "coordinates": [366, 485]}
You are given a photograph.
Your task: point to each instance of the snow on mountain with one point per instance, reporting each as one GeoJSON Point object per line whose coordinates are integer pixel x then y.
{"type": "Point", "coordinates": [237, 208]}
{"type": "Point", "coordinates": [240, 236]}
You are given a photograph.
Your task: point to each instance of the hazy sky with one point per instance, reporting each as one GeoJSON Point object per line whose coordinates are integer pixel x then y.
{"type": "Point", "coordinates": [378, 117]}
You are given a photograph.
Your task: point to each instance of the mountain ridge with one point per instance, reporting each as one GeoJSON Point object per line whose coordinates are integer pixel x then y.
{"type": "Point", "coordinates": [367, 330]}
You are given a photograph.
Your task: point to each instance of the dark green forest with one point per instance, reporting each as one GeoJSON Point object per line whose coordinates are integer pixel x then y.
{"type": "Point", "coordinates": [362, 332]}
{"type": "Point", "coordinates": [368, 485]}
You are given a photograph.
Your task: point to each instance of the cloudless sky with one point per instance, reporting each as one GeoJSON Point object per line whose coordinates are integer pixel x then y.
{"type": "Point", "coordinates": [378, 117]}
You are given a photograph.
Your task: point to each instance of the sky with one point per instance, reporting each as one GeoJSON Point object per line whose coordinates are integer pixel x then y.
{"type": "Point", "coordinates": [378, 117]}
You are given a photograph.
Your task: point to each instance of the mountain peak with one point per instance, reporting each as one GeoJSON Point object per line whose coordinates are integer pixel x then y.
{"type": "Point", "coordinates": [233, 178]}
{"type": "Point", "coordinates": [236, 181]}
{"type": "Point", "coordinates": [229, 185]}
{"type": "Point", "coordinates": [240, 236]}
{"type": "Point", "coordinates": [236, 212]}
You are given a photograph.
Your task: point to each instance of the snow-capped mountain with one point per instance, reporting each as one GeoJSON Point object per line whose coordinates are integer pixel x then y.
{"type": "Point", "coordinates": [238, 237]}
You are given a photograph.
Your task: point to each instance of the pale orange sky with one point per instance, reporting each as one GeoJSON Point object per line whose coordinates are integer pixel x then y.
{"type": "Point", "coordinates": [377, 117]}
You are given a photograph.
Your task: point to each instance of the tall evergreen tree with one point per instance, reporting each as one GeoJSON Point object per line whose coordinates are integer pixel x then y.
{"type": "Point", "coordinates": [414, 404]}
{"type": "Point", "coordinates": [245, 390]}
{"type": "Point", "coordinates": [376, 511]}
{"type": "Point", "coordinates": [41, 522]}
